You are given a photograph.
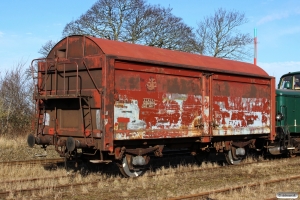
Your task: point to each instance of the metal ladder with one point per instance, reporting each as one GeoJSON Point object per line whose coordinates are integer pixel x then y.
{"type": "Point", "coordinates": [41, 93]}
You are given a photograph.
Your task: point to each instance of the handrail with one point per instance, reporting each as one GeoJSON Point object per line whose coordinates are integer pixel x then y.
{"type": "Point", "coordinates": [45, 70]}
{"type": "Point", "coordinates": [57, 62]}
{"type": "Point", "coordinates": [91, 78]}
{"type": "Point", "coordinates": [50, 67]}
{"type": "Point", "coordinates": [77, 74]}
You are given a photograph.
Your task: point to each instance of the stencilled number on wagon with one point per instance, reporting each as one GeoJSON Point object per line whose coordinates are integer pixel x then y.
{"type": "Point", "coordinates": [148, 103]}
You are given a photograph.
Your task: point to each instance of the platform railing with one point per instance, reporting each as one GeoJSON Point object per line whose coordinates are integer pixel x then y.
{"type": "Point", "coordinates": [49, 63]}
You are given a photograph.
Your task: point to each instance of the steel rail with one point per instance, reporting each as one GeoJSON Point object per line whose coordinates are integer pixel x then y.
{"type": "Point", "coordinates": [21, 191]}
{"type": "Point", "coordinates": [224, 190]}
{"type": "Point", "coordinates": [4, 194]}
{"type": "Point", "coordinates": [33, 179]}
{"type": "Point", "coordinates": [220, 167]}
{"type": "Point", "coordinates": [41, 161]}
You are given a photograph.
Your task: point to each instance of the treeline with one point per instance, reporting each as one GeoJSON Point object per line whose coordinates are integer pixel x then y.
{"type": "Point", "coordinates": [16, 102]}
{"type": "Point", "coordinates": [138, 22]}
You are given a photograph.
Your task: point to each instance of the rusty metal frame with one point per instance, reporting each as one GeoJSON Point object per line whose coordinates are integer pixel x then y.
{"type": "Point", "coordinates": [77, 95]}
{"type": "Point", "coordinates": [97, 88]}
{"type": "Point", "coordinates": [142, 151]}
{"type": "Point", "coordinates": [273, 109]}
{"type": "Point", "coordinates": [57, 62]}
{"type": "Point", "coordinates": [108, 108]}
{"type": "Point", "coordinates": [108, 58]}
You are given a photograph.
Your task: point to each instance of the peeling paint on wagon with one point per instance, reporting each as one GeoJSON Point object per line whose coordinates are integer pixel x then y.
{"type": "Point", "coordinates": [158, 134]}
{"type": "Point", "coordinates": [232, 115]}
{"type": "Point", "coordinates": [178, 115]}
{"type": "Point", "coordinates": [231, 111]}
{"type": "Point", "coordinates": [241, 131]}
{"type": "Point", "coordinates": [253, 109]}
{"type": "Point", "coordinates": [241, 116]}
{"type": "Point", "coordinates": [130, 135]}
{"type": "Point", "coordinates": [170, 104]}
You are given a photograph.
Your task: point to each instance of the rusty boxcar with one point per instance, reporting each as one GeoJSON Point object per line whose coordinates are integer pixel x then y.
{"type": "Point", "coordinates": [110, 101]}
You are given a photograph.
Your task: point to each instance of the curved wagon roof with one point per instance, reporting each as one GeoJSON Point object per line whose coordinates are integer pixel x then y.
{"type": "Point", "coordinates": [154, 55]}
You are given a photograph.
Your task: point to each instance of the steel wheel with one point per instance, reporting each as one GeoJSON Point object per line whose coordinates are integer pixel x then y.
{"type": "Point", "coordinates": [230, 159]}
{"type": "Point", "coordinates": [124, 169]}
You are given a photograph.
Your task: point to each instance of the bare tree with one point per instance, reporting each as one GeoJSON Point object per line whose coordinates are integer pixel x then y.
{"type": "Point", "coordinates": [168, 31]}
{"type": "Point", "coordinates": [218, 36]}
{"type": "Point", "coordinates": [105, 19]}
{"type": "Point", "coordinates": [134, 21]}
{"type": "Point", "coordinates": [46, 48]}
{"type": "Point", "coordinates": [16, 106]}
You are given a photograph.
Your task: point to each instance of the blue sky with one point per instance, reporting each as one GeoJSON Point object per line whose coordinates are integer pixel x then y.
{"type": "Point", "coordinates": [27, 25]}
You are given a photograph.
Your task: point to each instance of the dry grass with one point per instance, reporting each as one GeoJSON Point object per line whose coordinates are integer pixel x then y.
{"type": "Point", "coordinates": [9, 172]}
{"type": "Point", "coordinates": [261, 192]}
{"type": "Point", "coordinates": [17, 149]}
{"type": "Point", "coordinates": [159, 186]}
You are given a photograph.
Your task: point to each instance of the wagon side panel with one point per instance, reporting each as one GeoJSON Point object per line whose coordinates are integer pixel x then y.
{"type": "Point", "coordinates": [158, 102]}
{"type": "Point", "coordinates": [241, 105]}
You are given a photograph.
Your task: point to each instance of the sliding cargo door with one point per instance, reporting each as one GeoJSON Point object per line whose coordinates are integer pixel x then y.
{"type": "Point", "coordinates": [153, 103]}
{"type": "Point", "coordinates": [240, 105]}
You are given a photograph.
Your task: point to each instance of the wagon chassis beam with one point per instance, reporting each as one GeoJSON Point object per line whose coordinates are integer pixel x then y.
{"type": "Point", "coordinates": [243, 144]}
{"type": "Point", "coordinates": [140, 151]}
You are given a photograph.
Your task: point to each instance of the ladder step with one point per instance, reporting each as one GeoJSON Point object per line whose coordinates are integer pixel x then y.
{"type": "Point", "coordinates": [101, 161]}
{"type": "Point", "coordinates": [269, 146]}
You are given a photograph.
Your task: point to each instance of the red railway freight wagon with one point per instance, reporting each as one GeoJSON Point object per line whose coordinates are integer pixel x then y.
{"type": "Point", "coordinates": [110, 101]}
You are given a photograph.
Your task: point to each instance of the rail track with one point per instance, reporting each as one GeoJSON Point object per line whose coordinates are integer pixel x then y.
{"type": "Point", "coordinates": [225, 190]}
{"type": "Point", "coordinates": [93, 183]}
{"type": "Point", "coordinates": [201, 195]}
{"type": "Point", "coordinates": [149, 175]}
{"type": "Point", "coordinates": [216, 166]}
{"type": "Point", "coordinates": [4, 194]}
{"type": "Point", "coordinates": [32, 162]}
{"type": "Point", "coordinates": [33, 179]}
